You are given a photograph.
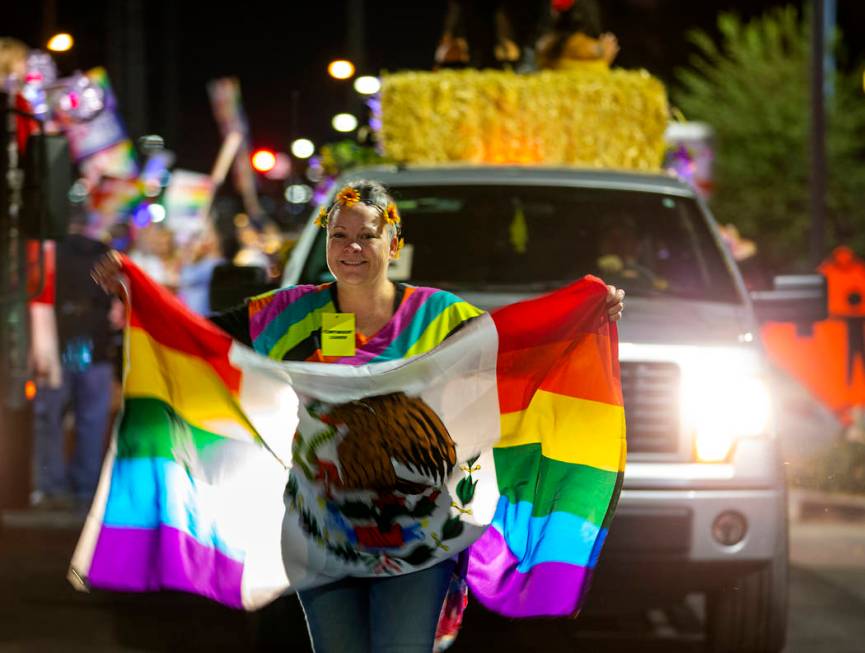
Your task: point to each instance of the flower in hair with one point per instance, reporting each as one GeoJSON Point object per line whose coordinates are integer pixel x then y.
{"type": "Point", "coordinates": [399, 245]}
{"type": "Point", "coordinates": [321, 218]}
{"type": "Point", "coordinates": [347, 197]}
{"type": "Point", "coordinates": [391, 215]}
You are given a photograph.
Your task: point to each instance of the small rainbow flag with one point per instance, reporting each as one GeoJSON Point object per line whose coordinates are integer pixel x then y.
{"type": "Point", "coordinates": [229, 474]}
{"type": "Point", "coordinates": [188, 195]}
{"type": "Point", "coordinates": [115, 197]}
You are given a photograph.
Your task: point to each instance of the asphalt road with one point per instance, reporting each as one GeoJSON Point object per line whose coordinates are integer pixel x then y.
{"type": "Point", "coordinates": [39, 611]}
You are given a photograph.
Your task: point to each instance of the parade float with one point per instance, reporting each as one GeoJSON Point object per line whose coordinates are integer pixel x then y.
{"type": "Point", "coordinates": [589, 117]}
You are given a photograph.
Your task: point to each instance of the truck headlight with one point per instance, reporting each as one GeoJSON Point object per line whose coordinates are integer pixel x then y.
{"type": "Point", "coordinates": [721, 407]}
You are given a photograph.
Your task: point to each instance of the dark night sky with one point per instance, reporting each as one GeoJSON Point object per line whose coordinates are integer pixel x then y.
{"type": "Point", "coordinates": [280, 51]}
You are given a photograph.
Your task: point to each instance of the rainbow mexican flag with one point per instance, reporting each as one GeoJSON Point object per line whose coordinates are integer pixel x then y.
{"type": "Point", "coordinates": [229, 474]}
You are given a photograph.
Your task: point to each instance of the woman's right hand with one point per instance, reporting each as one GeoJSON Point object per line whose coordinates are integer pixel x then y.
{"type": "Point", "coordinates": [108, 273]}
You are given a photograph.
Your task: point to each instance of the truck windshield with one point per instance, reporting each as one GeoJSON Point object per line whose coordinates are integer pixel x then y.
{"type": "Point", "coordinates": [533, 238]}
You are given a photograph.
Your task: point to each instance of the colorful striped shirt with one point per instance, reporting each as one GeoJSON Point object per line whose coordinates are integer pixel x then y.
{"type": "Point", "coordinates": [285, 324]}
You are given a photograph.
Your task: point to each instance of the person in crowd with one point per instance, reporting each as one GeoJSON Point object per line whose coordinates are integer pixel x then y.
{"type": "Point", "coordinates": [250, 252]}
{"type": "Point", "coordinates": [237, 276]}
{"type": "Point", "coordinates": [13, 61]}
{"type": "Point", "coordinates": [363, 235]}
{"type": "Point", "coordinates": [120, 237]}
{"type": "Point", "coordinates": [85, 319]}
{"type": "Point", "coordinates": [488, 33]}
{"type": "Point", "coordinates": [196, 273]}
{"type": "Point", "coordinates": [154, 251]}
{"type": "Point", "coordinates": [575, 39]}
{"type": "Point", "coordinates": [623, 256]}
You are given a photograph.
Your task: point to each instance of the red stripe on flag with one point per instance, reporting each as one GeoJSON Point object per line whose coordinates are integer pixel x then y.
{"type": "Point", "coordinates": [170, 323]}
{"type": "Point", "coordinates": [581, 368]}
{"type": "Point", "coordinates": [563, 343]}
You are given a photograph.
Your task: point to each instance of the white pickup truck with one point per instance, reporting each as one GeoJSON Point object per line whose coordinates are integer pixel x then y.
{"type": "Point", "coordinates": [703, 506]}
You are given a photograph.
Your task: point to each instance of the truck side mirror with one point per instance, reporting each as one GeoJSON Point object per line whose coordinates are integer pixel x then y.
{"type": "Point", "coordinates": [800, 298]}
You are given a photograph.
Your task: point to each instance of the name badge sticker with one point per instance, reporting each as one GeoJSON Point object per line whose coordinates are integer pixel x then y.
{"type": "Point", "coordinates": [337, 334]}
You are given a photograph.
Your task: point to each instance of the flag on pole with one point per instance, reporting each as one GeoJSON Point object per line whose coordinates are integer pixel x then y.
{"type": "Point", "coordinates": [239, 478]}
{"type": "Point", "coordinates": [225, 99]}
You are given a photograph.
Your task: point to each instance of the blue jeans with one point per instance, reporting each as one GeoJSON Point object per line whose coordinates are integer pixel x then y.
{"type": "Point", "coordinates": [381, 615]}
{"type": "Point", "coordinates": [90, 394]}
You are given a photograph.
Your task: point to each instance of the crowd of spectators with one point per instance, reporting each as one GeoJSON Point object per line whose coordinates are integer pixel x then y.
{"type": "Point", "coordinates": [209, 269]}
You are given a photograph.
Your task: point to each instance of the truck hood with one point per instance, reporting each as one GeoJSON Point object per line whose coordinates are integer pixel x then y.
{"type": "Point", "coordinates": [656, 320]}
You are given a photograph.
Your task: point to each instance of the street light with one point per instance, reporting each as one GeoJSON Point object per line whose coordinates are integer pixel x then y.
{"type": "Point", "coordinates": [344, 122]}
{"type": "Point", "coordinates": [263, 160]}
{"type": "Point", "coordinates": [61, 42]}
{"type": "Point", "coordinates": [302, 148]}
{"type": "Point", "coordinates": [340, 69]}
{"type": "Point", "coordinates": [298, 194]}
{"type": "Point", "coordinates": [367, 85]}
{"type": "Point", "coordinates": [157, 212]}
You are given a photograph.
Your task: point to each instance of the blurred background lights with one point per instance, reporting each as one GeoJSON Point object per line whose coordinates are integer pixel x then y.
{"type": "Point", "coordinates": [281, 167]}
{"type": "Point", "coordinates": [298, 194]}
{"type": "Point", "coordinates": [82, 100]}
{"type": "Point", "coordinates": [315, 173]}
{"type": "Point", "coordinates": [340, 69]}
{"type": "Point", "coordinates": [157, 212]}
{"type": "Point", "coordinates": [344, 122]}
{"type": "Point", "coordinates": [141, 216]}
{"type": "Point", "coordinates": [302, 148]}
{"type": "Point", "coordinates": [78, 191]}
{"type": "Point", "coordinates": [61, 42]}
{"type": "Point", "coordinates": [151, 143]}
{"type": "Point", "coordinates": [152, 188]}
{"type": "Point", "coordinates": [263, 160]}
{"type": "Point", "coordinates": [367, 85]}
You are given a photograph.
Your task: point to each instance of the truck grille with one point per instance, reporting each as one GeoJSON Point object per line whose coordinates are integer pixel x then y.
{"type": "Point", "coordinates": [651, 394]}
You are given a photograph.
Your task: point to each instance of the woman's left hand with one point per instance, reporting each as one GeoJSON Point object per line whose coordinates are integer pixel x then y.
{"type": "Point", "coordinates": [615, 303]}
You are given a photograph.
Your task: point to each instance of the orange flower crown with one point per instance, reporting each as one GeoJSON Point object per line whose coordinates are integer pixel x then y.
{"type": "Point", "coordinates": [348, 197]}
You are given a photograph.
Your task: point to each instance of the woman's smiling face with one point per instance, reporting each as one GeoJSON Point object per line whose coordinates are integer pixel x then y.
{"type": "Point", "coordinates": [359, 246]}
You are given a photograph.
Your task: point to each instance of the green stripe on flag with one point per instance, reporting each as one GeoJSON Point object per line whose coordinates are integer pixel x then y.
{"type": "Point", "coordinates": [578, 489]}
{"type": "Point", "coordinates": [150, 428]}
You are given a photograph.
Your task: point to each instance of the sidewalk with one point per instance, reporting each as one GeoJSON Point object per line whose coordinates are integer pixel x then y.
{"type": "Point", "coordinates": [807, 505]}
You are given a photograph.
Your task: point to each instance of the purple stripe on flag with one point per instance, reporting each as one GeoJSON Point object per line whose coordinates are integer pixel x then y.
{"type": "Point", "coordinates": [402, 319]}
{"type": "Point", "coordinates": [144, 559]}
{"type": "Point", "coordinates": [281, 299]}
{"type": "Point", "coordinates": [549, 589]}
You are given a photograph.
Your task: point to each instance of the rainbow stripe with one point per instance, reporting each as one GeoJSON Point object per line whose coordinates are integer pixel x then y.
{"type": "Point", "coordinates": [188, 194]}
{"type": "Point", "coordinates": [118, 197]}
{"type": "Point", "coordinates": [561, 457]}
{"type": "Point", "coordinates": [164, 524]}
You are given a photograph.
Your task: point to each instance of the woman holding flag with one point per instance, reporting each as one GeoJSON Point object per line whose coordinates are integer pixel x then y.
{"type": "Point", "coordinates": [360, 495]}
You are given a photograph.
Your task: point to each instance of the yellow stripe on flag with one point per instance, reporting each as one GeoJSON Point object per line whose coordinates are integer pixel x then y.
{"type": "Point", "coordinates": [188, 384]}
{"type": "Point", "coordinates": [569, 429]}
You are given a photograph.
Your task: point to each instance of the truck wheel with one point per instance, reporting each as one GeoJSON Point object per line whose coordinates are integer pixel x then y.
{"type": "Point", "coordinates": [750, 615]}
